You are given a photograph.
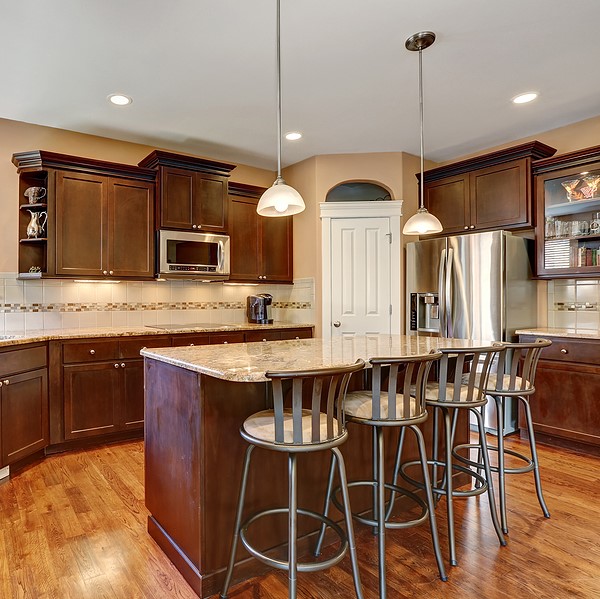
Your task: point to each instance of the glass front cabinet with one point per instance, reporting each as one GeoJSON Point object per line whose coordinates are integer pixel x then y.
{"type": "Point", "coordinates": [567, 191]}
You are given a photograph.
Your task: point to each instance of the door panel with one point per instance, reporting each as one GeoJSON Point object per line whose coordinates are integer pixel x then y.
{"type": "Point", "coordinates": [360, 271]}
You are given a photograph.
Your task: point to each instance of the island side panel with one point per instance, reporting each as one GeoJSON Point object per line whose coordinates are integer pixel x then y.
{"type": "Point", "coordinates": [173, 464]}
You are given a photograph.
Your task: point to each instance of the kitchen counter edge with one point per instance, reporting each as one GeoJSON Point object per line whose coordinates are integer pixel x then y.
{"type": "Point", "coordinates": [561, 332]}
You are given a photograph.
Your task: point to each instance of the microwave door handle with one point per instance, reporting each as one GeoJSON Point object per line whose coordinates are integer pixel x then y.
{"type": "Point", "coordinates": [221, 256]}
{"type": "Point", "coordinates": [441, 302]}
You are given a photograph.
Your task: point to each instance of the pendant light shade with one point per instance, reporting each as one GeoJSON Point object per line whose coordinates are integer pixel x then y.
{"type": "Point", "coordinates": [421, 223]}
{"type": "Point", "coordinates": [280, 199]}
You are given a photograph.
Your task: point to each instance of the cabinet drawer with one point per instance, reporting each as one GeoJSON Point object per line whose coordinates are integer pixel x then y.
{"type": "Point", "coordinates": [263, 336]}
{"type": "Point", "coordinates": [227, 338]}
{"type": "Point", "coordinates": [21, 360]}
{"type": "Point", "coordinates": [582, 351]}
{"type": "Point", "coordinates": [296, 334]}
{"type": "Point", "coordinates": [191, 339]}
{"type": "Point", "coordinates": [94, 350]}
{"type": "Point", "coordinates": [130, 348]}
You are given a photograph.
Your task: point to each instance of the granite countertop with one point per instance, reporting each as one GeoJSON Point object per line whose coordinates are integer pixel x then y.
{"type": "Point", "coordinates": [129, 331]}
{"type": "Point", "coordinates": [561, 332]}
{"type": "Point", "coordinates": [248, 362]}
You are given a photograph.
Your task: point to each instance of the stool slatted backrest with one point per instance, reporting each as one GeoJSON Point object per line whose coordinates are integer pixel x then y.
{"type": "Point", "coordinates": [326, 385]}
{"type": "Point", "coordinates": [520, 381]}
{"type": "Point", "coordinates": [416, 372]}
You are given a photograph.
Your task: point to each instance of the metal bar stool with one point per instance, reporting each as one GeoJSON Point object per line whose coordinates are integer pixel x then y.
{"type": "Point", "coordinates": [297, 430]}
{"type": "Point", "coordinates": [507, 384]}
{"type": "Point", "coordinates": [380, 409]}
{"type": "Point", "coordinates": [463, 374]}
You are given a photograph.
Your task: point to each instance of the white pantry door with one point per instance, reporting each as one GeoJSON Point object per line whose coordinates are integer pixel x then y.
{"type": "Point", "coordinates": [360, 276]}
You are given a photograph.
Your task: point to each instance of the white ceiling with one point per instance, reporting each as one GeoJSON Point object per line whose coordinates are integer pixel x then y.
{"type": "Point", "coordinates": [202, 72]}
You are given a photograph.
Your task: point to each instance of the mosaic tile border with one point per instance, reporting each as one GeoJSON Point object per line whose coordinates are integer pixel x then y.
{"type": "Point", "coordinates": [138, 306]}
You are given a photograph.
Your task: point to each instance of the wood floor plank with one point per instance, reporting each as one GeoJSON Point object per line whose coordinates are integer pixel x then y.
{"type": "Point", "coordinates": [74, 526]}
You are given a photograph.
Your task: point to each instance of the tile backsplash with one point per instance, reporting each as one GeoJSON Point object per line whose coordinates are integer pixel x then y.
{"type": "Point", "coordinates": [573, 303]}
{"type": "Point", "coordinates": [57, 303]}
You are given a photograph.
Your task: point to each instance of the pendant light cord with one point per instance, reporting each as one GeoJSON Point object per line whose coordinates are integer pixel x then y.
{"type": "Point", "coordinates": [421, 117]}
{"type": "Point", "coordinates": [279, 91]}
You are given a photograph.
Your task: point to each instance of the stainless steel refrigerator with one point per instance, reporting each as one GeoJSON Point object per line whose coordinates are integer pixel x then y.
{"type": "Point", "coordinates": [475, 286]}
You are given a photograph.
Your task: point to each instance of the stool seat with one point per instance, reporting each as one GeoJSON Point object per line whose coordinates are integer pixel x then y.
{"type": "Point", "coordinates": [261, 427]}
{"type": "Point", "coordinates": [359, 405]}
{"type": "Point", "coordinates": [509, 385]}
{"type": "Point", "coordinates": [433, 394]}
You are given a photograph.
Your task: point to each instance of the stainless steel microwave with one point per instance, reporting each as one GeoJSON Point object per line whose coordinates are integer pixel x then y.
{"type": "Point", "coordinates": [198, 255]}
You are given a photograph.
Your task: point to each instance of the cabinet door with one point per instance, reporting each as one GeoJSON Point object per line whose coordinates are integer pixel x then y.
{"type": "Point", "coordinates": [81, 223]}
{"type": "Point", "coordinates": [277, 248]}
{"type": "Point", "coordinates": [448, 200]}
{"type": "Point", "coordinates": [24, 415]}
{"type": "Point", "coordinates": [245, 242]}
{"type": "Point", "coordinates": [176, 190]}
{"type": "Point", "coordinates": [500, 196]}
{"type": "Point", "coordinates": [131, 228]}
{"type": "Point", "coordinates": [209, 207]}
{"type": "Point", "coordinates": [132, 407]}
{"type": "Point", "coordinates": [91, 399]}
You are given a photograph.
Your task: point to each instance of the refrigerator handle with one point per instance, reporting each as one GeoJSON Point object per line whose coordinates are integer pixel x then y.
{"type": "Point", "coordinates": [441, 299]}
{"type": "Point", "coordinates": [448, 292]}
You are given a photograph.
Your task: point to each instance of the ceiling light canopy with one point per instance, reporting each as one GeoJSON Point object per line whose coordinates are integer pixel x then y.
{"type": "Point", "coordinates": [120, 99]}
{"type": "Point", "coordinates": [280, 199]}
{"type": "Point", "coordinates": [525, 98]}
{"type": "Point", "coordinates": [422, 222]}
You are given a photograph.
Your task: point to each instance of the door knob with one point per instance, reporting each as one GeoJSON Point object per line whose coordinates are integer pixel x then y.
{"type": "Point", "coordinates": [337, 323]}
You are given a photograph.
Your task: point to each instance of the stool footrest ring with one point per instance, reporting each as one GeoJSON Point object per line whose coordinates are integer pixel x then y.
{"type": "Point", "coordinates": [301, 566]}
{"type": "Point", "coordinates": [529, 465]}
{"type": "Point", "coordinates": [388, 524]}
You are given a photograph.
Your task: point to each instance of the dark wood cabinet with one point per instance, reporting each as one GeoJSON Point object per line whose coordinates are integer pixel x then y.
{"type": "Point", "coordinates": [100, 217]}
{"type": "Point", "coordinates": [24, 429]}
{"type": "Point", "coordinates": [191, 193]}
{"type": "Point", "coordinates": [492, 191]}
{"type": "Point", "coordinates": [567, 192]}
{"type": "Point", "coordinates": [261, 247]}
{"type": "Point", "coordinates": [566, 404]}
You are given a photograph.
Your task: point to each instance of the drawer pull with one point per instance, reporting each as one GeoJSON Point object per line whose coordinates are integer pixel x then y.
{"type": "Point", "coordinates": [122, 364]}
{"type": "Point", "coordinates": [116, 365]}
{"type": "Point", "coordinates": [5, 381]}
{"type": "Point", "coordinates": [564, 350]}
{"type": "Point", "coordinates": [225, 342]}
{"type": "Point", "coordinates": [92, 351]}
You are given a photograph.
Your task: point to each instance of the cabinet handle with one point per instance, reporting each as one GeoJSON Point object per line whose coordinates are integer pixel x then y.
{"type": "Point", "coordinates": [122, 364]}
{"type": "Point", "coordinates": [194, 226]}
{"type": "Point", "coordinates": [472, 227]}
{"type": "Point", "coordinates": [5, 382]}
{"type": "Point", "coordinates": [116, 366]}
{"type": "Point", "coordinates": [92, 351]}
{"type": "Point", "coordinates": [264, 339]}
{"type": "Point", "coordinates": [297, 337]}
{"type": "Point", "coordinates": [191, 344]}
{"type": "Point", "coordinates": [111, 272]}
{"type": "Point", "coordinates": [564, 350]}
{"type": "Point", "coordinates": [104, 272]}
{"type": "Point", "coordinates": [466, 227]}
{"type": "Point", "coordinates": [199, 226]}
{"type": "Point", "coordinates": [225, 342]}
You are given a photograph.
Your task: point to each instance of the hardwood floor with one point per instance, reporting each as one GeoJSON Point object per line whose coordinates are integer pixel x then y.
{"type": "Point", "coordinates": [74, 526]}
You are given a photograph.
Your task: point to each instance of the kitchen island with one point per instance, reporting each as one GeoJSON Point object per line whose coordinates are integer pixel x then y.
{"type": "Point", "coordinates": [196, 399]}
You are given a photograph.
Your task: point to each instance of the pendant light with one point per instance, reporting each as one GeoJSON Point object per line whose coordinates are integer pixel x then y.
{"type": "Point", "coordinates": [280, 199]}
{"type": "Point", "coordinates": [422, 222]}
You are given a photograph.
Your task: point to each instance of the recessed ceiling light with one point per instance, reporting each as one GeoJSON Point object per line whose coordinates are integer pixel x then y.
{"type": "Point", "coordinates": [120, 99]}
{"type": "Point", "coordinates": [293, 135]}
{"type": "Point", "coordinates": [524, 98]}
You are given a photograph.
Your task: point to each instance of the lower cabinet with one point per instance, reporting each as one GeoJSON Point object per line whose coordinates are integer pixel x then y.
{"type": "Point", "coordinates": [566, 403]}
{"type": "Point", "coordinates": [23, 403]}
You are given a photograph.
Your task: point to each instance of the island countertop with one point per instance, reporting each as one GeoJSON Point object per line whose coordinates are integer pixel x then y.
{"type": "Point", "coordinates": [248, 362]}
{"type": "Point", "coordinates": [572, 333]}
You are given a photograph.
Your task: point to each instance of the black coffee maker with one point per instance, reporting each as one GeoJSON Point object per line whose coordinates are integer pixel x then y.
{"type": "Point", "coordinates": [259, 308]}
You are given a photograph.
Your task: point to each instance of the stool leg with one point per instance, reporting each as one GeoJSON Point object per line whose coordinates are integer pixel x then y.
{"type": "Point", "coordinates": [397, 461]}
{"type": "Point", "coordinates": [292, 528]}
{"type": "Point", "coordinates": [430, 502]}
{"type": "Point", "coordinates": [434, 454]}
{"type": "Point", "coordinates": [238, 521]}
{"type": "Point", "coordinates": [319, 544]}
{"type": "Point", "coordinates": [448, 485]}
{"type": "Point", "coordinates": [534, 458]}
{"type": "Point", "coordinates": [488, 476]}
{"type": "Point", "coordinates": [380, 488]}
{"type": "Point", "coordinates": [501, 472]}
{"type": "Point", "coordinates": [375, 477]}
{"type": "Point", "coordinates": [348, 517]}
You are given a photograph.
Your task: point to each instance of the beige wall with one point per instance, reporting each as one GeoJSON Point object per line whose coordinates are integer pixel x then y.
{"type": "Point", "coordinates": [20, 137]}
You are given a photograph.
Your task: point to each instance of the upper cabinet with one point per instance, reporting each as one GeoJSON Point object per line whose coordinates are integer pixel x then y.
{"type": "Point", "coordinates": [492, 191]}
{"type": "Point", "coordinates": [261, 247]}
{"type": "Point", "coordinates": [191, 193]}
{"type": "Point", "coordinates": [567, 189]}
{"type": "Point", "coordinates": [94, 218]}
